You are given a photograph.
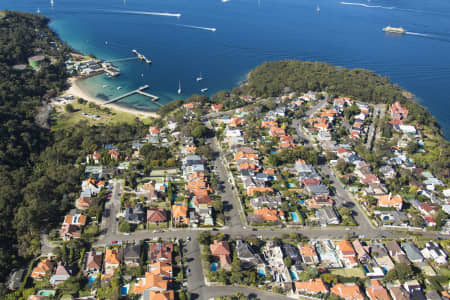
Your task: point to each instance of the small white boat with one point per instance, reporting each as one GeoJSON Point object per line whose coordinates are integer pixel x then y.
{"type": "Point", "coordinates": [106, 42]}
{"type": "Point", "coordinates": [119, 87]}
{"type": "Point", "coordinates": [142, 74]}
{"type": "Point", "coordinates": [179, 87]}
{"type": "Point", "coordinates": [105, 86]}
{"type": "Point", "coordinates": [38, 11]}
{"type": "Point", "coordinates": [52, 2]}
{"type": "Point", "coordinates": [199, 78]}
{"type": "Point", "coordinates": [204, 90]}
{"type": "Point", "coordinates": [318, 9]}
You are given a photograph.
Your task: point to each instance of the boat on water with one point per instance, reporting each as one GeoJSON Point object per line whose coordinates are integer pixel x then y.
{"type": "Point", "coordinates": [105, 86]}
{"type": "Point", "coordinates": [38, 11]}
{"type": "Point", "coordinates": [318, 9]}
{"type": "Point", "coordinates": [119, 87]}
{"type": "Point", "coordinates": [204, 90]}
{"type": "Point", "coordinates": [390, 29]}
{"type": "Point", "coordinates": [179, 87]}
{"type": "Point", "coordinates": [199, 78]}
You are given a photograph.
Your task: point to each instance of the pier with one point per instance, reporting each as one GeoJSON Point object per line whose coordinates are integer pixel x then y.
{"type": "Point", "coordinates": [141, 56]}
{"type": "Point", "coordinates": [136, 91]}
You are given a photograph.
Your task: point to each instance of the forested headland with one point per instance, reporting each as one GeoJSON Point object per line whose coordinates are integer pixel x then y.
{"type": "Point", "coordinates": [38, 178]}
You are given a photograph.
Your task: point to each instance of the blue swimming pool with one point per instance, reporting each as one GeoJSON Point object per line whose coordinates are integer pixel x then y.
{"type": "Point", "coordinates": [124, 290]}
{"type": "Point", "coordinates": [366, 269]}
{"type": "Point", "coordinates": [291, 185]}
{"type": "Point", "coordinates": [214, 267]}
{"type": "Point", "coordinates": [293, 275]}
{"type": "Point", "coordinates": [261, 273]}
{"type": "Point", "coordinates": [91, 279]}
{"type": "Point", "coordinates": [295, 217]}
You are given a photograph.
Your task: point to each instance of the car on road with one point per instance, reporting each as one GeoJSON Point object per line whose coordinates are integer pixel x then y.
{"type": "Point", "coordinates": [188, 270]}
{"type": "Point", "coordinates": [113, 242]}
{"type": "Point", "coordinates": [348, 228]}
{"type": "Point", "coordinates": [188, 238]}
{"type": "Point", "coordinates": [126, 233]}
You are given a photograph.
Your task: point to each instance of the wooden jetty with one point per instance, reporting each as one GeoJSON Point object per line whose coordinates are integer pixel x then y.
{"type": "Point", "coordinates": [136, 91]}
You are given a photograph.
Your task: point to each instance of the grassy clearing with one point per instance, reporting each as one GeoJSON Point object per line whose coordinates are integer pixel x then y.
{"type": "Point", "coordinates": [353, 272]}
{"type": "Point", "coordinates": [107, 115]}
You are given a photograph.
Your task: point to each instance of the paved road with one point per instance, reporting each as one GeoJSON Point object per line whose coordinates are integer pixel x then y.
{"type": "Point", "coordinates": [217, 291]}
{"type": "Point", "coordinates": [109, 226]}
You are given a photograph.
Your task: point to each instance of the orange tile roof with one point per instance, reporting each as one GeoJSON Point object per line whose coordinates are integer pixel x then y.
{"type": "Point", "coordinates": [307, 250]}
{"type": "Point", "coordinates": [348, 291]}
{"type": "Point", "coordinates": [269, 171]}
{"type": "Point", "coordinates": [390, 201]}
{"type": "Point", "coordinates": [346, 247]}
{"type": "Point", "coordinates": [151, 280]}
{"type": "Point", "coordinates": [377, 291]}
{"type": "Point", "coordinates": [242, 154]}
{"type": "Point", "coordinates": [154, 129]}
{"type": "Point", "coordinates": [312, 286]}
{"type": "Point", "coordinates": [268, 214]}
{"type": "Point", "coordinates": [84, 201]}
{"type": "Point", "coordinates": [269, 124]}
{"type": "Point", "coordinates": [42, 269]}
{"type": "Point", "coordinates": [112, 256]}
{"type": "Point", "coordinates": [165, 295]}
{"type": "Point", "coordinates": [251, 190]}
{"type": "Point", "coordinates": [219, 248]}
{"type": "Point", "coordinates": [161, 268]}
{"type": "Point", "coordinates": [247, 166]}
{"type": "Point", "coordinates": [277, 131]}
{"type": "Point", "coordinates": [179, 211]}
{"type": "Point", "coordinates": [190, 149]}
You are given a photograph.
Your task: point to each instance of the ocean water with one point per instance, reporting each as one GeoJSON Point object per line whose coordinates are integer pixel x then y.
{"type": "Point", "coordinates": [249, 32]}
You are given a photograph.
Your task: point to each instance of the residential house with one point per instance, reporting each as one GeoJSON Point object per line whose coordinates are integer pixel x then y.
{"type": "Point", "coordinates": [114, 154]}
{"type": "Point", "coordinates": [221, 250]}
{"type": "Point", "coordinates": [156, 295]}
{"type": "Point", "coordinates": [93, 158]}
{"type": "Point", "coordinates": [236, 122]}
{"type": "Point", "coordinates": [309, 254]}
{"type": "Point", "coordinates": [390, 201]}
{"type": "Point", "coordinates": [318, 190]}
{"type": "Point", "coordinates": [247, 256]}
{"type": "Point", "coordinates": [377, 291]}
{"type": "Point", "coordinates": [62, 273]}
{"type": "Point", "coordinates": [319, 201]}
{"type": "Point", "coordinates": [132, 255]}
{"type": "Point", "coordinates": [379, 253]}
{"type": "Point", "coordinates": [326, 216]}
{"type": "Point", "coordinates": [112, 260]}
{"type": "Point", "coordinates": [346, 253]}
{"type": "Point", "coordinates": [291, 252]}
{"type": "Point", "coordinates": [274, 257]}
{"type": "Point", "coordinates": [412, 252]}
{"type": "Point", "coordinates": [151, 283]}
{"type": "Point", "coordinates": [432, 250]}
{"type": "Point", "coordinates": [398, 293]}
{"type": "Point", "coordinates": [429, 209]}
{"type": "Point", "coordinates": [135, 215]}
{"type": "Point", "coordinates": [388, 172]}
{"type": "Point", "coordinates": [252, 190]}
{"type": "Point", "coordinates": [268, 215]}
{"type": "Point", "coordinates": [272, 202]}
{"type": "Point", "coordinates": [93, 262]}
{"type": "Point", "coordinates": [160, 252]}
{"type": "Point", "coordinates": [311, 287]}
{"type": "Point", "coordinates": [349, 291]}
{"type": "Point", "coordinates": [154, 130]}
{"type": "Point", "coordinates": [43, 269]}
{"type": "Point", "coordinates": [396, 252]}
{"type": "Point", "coordinates": [83, 203]}
{"type": "Point", "coordinates": [398, 112]}
{"type": "Point", "coordinates": [156, 216]}
{"type": "Point", "coordinates": [216, 107]}
{"type": "Point", "coordinates": [160, 268]}
{"type": "Point", "coordinates": [179, 215]}
{"type": "Point", "coordinates": [361, 251]}
{"type": "Point", "coordinates": [70, 231]}
{"type": "Point", "coordinates": [414, 289]}
{"type": "Point", "coordinates": [276, 131]}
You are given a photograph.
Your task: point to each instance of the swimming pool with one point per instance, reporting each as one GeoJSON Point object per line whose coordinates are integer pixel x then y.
{"type": "Point", "coordinates": [124, 290]}
{"type": "Point", "coordinates": [295, 217]}
{"type": "Point", "coordinates": [91, 279]}
{"type": "Point", "coordinates": [214, 267]}
{"type": "Point", "coordinates": [191, 204]}
{"type": "Point", "coordinates": [291, 185]}
{"type": "Point", "coordinates": [47, 293]}
{"type": "Point", "coordinates": [261, 272]}
{"type": "Point", "coordinates": [293, 275]}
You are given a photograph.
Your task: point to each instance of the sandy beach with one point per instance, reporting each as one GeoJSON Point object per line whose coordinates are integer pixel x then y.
{"type": "Point", "coordinates": [76, 91]}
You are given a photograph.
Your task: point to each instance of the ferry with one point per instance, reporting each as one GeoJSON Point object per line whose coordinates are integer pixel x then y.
{"type": "Point", "coordinates": [204, 90]}
{"type": "Point", "coordinates": [390, 29]}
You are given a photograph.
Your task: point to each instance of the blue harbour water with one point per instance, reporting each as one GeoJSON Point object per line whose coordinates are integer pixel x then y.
{"type": "Point", "coordinates": [249, 32]}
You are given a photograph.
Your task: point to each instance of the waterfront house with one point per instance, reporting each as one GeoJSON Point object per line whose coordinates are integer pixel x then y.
{"type": "Point", "coordinates": [221, 250]}
{"type": "Point", "coordinates": [398, 112]}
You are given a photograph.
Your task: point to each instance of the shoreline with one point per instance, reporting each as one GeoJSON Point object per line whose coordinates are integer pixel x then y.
{"type": "Point", "coordinates": [78, 92]}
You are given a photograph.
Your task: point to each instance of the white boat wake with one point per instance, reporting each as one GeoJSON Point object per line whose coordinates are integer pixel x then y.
{"type": "Point", "coordinates": [151, 13]}
{"type": "Point", "coordinates": [419, 34]}
{"type": "Point", "coordinates": [368, 6]}
{"type": "Point", "coordinates": [198, 27]}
